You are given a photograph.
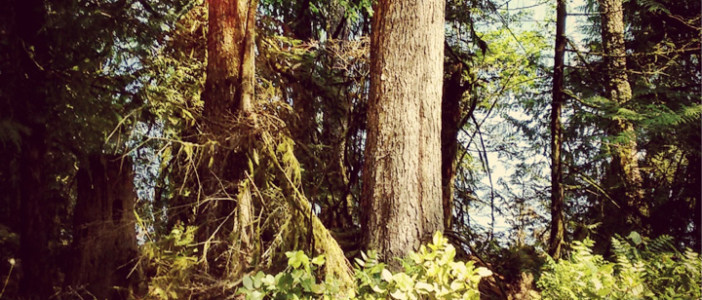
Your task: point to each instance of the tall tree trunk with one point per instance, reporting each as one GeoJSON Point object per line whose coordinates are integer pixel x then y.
{"type": "Point", "coordinates": [557, 201]}
{"type": "Point", "coordinates": [104, 238]}
{"type": "Point", "coordinates": [625, 167]}
{"type": "Point", "coordinates": [229, 53]}
{"type": "Point", "coordinates": [228, 95]}
{"type": "Point", "coordinates": [453, 92]}
{"type": "Point", "coordinates": [34, 253]}
{"type": "Point", "coordinates": [401, 198]}
{"type": "Point", "coordinates": [32, 109]}
{"type": "Point", "coordinates": [335, 213]}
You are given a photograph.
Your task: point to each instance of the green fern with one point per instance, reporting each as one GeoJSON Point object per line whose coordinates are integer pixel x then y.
{"type": "Point", "coordinates": [663, 117]}
{"type": "Point", "coordinates": [644, 269]}
{"type": "Point", "coordinates": [654, 6]}
{"type": "Point", "coordinates": [662, 244]}
{"type": "Point", "coordinates": [691, 113]}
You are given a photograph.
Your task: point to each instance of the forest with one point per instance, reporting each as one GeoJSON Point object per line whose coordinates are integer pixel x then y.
{"type": "Point", "coordinates": [350, 149]}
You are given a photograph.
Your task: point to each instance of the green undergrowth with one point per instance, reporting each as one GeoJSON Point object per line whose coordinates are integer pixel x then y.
{"type": "Point", "coordinates": [642, 269]}
{"type": "Point", "coordinates": [430, 273]}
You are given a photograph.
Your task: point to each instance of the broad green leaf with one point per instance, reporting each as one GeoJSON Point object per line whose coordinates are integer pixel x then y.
{"type": "Point", "coordinates": [319, 260]}
{"type": "Point", "coordinates": [248, 283]}
{"type": "Point", "coordinates": [635, 237]}
{"type": "Point", "coordinates": [386, 275]}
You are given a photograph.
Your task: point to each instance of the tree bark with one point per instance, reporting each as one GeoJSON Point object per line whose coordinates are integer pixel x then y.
{"type": "Point", "coordinates": [229, 97]}
{"type": "Point", "coordinates": [104, 237]}
{"type": "Point", "coordinates": [401, 198]}
{"type": "Point", "coordinates": [32, 109]}
{"type": "Point", "coordinates": [624, 167]}
{"type": "Point", "coordinates": [36, 282]}
{"type": "Point", "coordinates": [229, 54]}
{"type": "Point", "coordinates": [557, 197]}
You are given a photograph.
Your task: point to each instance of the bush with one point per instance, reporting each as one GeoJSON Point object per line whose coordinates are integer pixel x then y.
{"type": "Point", "coordinates": [430, 273]}
{"type": "Point", "coordinates": [644, 269]}
{"type": "Point", "coordinates": [172, 263]}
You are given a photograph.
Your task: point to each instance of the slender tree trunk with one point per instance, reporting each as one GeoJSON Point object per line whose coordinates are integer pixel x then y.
{"type": "Point", "coordinates": [625, 167]}
{"type": "Point", "coordinates": [557, 197]}
{"type": "Point", "coordinates": [453, 92]}
{"type": "Point", "coordinates": [104, 237]}
{"type": "Point", "coordinates": [401, 198]}
{"type": "Point", "coordinates": [303, 96]}
{"type": "Point", "coordinates": [325, 179]}
{"type": "Point", "coordinates": [335, 213]}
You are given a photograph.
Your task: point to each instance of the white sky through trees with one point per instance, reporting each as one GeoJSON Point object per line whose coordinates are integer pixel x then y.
{"type": "Point", "coordinates": [540, 14]}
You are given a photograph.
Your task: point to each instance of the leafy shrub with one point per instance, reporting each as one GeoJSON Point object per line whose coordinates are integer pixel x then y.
{"type": "Point", "coordinates": [644, 269]}
{"type": "Point", "coordinates": [430, 273]}
{"type": "Point", "coordinates": [172, 262]}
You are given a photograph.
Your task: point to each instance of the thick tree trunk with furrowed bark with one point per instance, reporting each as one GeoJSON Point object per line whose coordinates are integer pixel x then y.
{"type": "Point", "coordinates": [229, 54]}
{"type": "Point", "coordinates": [229, 98]}
{"type": "Point", "coordinates": [401, 200]}
{"type": "Point", "coordinates": [26, 21]}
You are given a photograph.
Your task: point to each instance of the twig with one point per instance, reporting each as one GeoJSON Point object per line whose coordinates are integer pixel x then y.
{"type": "Point", "coordinates": [7, 279]}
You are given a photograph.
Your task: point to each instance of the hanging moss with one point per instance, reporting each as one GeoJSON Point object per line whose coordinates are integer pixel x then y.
{"type": "Point", "coordinates": [280, 151]}
{"type": "Point", "coordinates": [274, 182]}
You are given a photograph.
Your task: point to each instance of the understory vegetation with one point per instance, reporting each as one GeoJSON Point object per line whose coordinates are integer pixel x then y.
{"type": "Point", "coordinates": [641, 268]}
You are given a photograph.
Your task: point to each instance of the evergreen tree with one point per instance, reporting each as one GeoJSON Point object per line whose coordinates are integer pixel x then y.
{"type": "Point", "coordinates": [401, 202]}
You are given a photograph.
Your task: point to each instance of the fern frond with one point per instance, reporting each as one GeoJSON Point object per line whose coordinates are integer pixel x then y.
{"type": "Point", "coordinates": [661, 244]}
{"type": "Point", "coordinates": [654, 6]}
{"type": "Point", "coordinates": [662, 116]}
{"type": "Point", "coordinates": [691, 113]}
